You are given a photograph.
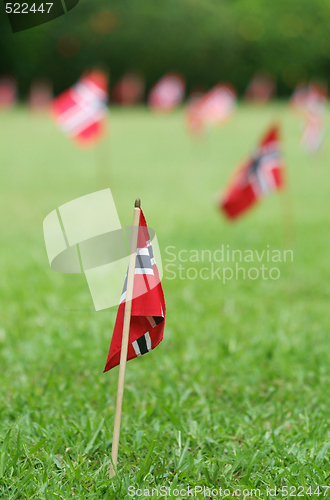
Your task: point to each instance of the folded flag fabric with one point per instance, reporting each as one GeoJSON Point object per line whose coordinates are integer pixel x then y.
{"type": "Point", "coordinates": [148, 305]}
{"type": "Point", "coordinates": [257, 177]}
{"type": "Point", "coordinates": [168, 93]}
{"type": "Point", "coordinates": [80, 110]}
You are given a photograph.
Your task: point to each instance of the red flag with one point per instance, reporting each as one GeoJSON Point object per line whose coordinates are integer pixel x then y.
{"type": "Point", "coordinates": [148, 305]}
{"type": "Point", "coordinates": [80, 111]}
{"type": "Point", "coordinates": [261, 89]}
{"type": "Point", "coordinates": [313, 133]}
{"type": "Point", "coordinates": [212, 109]}
{"type": "Point", "coordinates": [8, 92]}
{"type": "Point", "coordinates": [168, 93]}
{"type": "Point", "coordinates": [310, 100]}
{"type": "Point", "coordinates": [257, 177]}
{"type": "Point", "coordinates": [129, 89]}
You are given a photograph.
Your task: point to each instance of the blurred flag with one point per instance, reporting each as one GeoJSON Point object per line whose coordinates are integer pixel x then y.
{"type": "Point", "coordinates": [257, 177]}
{"type": "Point", "coordinates": [168, 93]}
{"type": "Point", "coordinates": [148, 305]}
{"type": "Point", "coordinates": [313, 133]}
{"type": "Point", "coordinates": [129, 89]}
{"type": "Point", "coordinates": [41, 94]}
{"type": "Point", "coordinates": [261, 89]}
{"type": "Point", "coordinates": [212, 109]}
{"type": "Point", "coordinates": [8, 92]}
{"type": "Point", "coordinates": [80, 111]}
{"type": "Point", "coordinates": [310, 100]}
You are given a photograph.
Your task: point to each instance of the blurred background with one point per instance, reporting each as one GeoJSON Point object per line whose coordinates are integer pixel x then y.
{"type": "Point", "coordinates": [206, 40]}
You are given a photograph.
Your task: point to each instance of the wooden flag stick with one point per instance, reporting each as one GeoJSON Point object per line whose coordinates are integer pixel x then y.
{"type": "Point", "coordinates": [124, 345]}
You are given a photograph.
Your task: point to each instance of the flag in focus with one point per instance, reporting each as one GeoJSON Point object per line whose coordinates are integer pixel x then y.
{"type": "Point", "coordinates": [148, 305]}
{"type": "Point", "coordinates": [310, 101]}
{"type": "Point", "coordinates": [168, 93]}
{"type": "Point", "coordinates": [80, 111]}
{"type": "Point", "coordinates": [257, 177]}
{"type": "Point", "coordinates": [212, 109]}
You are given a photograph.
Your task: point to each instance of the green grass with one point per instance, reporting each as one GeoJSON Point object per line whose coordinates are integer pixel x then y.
{"type": "Point", "coordinates": [237, 394]}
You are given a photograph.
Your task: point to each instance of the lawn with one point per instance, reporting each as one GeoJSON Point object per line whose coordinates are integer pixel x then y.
{"type": "Point", "coordinates": [237, 394]}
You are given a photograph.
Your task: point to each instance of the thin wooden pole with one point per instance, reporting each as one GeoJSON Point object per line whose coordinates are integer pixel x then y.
{"type": "Point", "coordinates": [287, 208]}
{"type": "Point", "coordinates": [124, 345]}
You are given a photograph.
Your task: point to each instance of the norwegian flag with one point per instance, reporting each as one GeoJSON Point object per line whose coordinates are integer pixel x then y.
{"type": "Point", "coordinates": [309, 98]}
{"type": "Point", "coordinates": [310, 101]}
{"type": "Point", "coordinates": [80, 111]}
{"type": "Point", "coordinates": [261, 89]}
{"type": "Point", "coordinates": [8, 92]}
{"type": "Point", "coordinates": [259, 176]}
{"type": "Point", "coordinates": [129, 89]}
{"type": "Point", "coordinates": [168, 93]}
{"type": "Point", "coordinates": [148, 305]}
{"type": "Point", "coordinates": [313, 133]}
{"type": "Point", "coordinates": [212, 109]}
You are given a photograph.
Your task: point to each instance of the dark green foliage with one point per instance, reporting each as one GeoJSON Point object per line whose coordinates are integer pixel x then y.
{"type": "Point", "coordinates": [207, 40]}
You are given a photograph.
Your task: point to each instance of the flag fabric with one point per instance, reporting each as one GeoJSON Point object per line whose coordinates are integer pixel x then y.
{"type": "Point", "coordinates": [129, 89]}
{"type": "Point", "coordinates": [309, 98]}
{"type": "Point", "coordinates": [261, 89]}
{"type": "Point", "coordinates": [168, 93]}
{"type": "Point", "coordinates": [80, 111]}
{"type": "Point", "coordinates": [8, 92]}
{"type": "Point", "coordinates": [212, 109]}
{"type": "Point", "coordinates": [148, 305]}
{"type": "Point", "coordinates": [259, 176]}
{"type": "Point", "coordinates": [313, 133]}
{"type": "Point", "coordinates": [310, 101]}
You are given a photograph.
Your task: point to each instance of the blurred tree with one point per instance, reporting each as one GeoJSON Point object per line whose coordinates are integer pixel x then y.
{"type": "Point", "coordinates": [206, 40]}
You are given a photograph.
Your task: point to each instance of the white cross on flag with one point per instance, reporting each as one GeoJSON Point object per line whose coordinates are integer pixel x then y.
{"type": "Point", "coordinates": [80, 111]}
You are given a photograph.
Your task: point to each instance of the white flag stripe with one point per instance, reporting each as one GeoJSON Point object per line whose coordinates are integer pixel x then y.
{"type": "Point", "coordinates": [94, 93]}
{"type": "Point", "coordinates": [79, 117]}
{"type": "Point", "coordinates": [87, 123]}
{"type": "Point", "coordinates": [141, 270]}
{"type": "Point", "coordinates": [142, 251]}
{"type": "Point", "coordinates": [148, 341]}
{"type": "Point", "coordinates": [123, 297]}
{"type": "Point", "coordinates": [136, 348]}
{"type": "Point", "coordinates": [78, 103]}
{"type": "Point", "coordinates": [151, 321]}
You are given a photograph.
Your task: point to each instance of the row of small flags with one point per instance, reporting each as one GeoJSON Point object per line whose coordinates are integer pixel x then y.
{"type": "Point", "coordinates": [130, 89]}
{"type": "Point", "coordinates": [80, 113]}
{"type": "Point", "coordinates": [86, 102]}
{"type": "Point", "coordinates": [140, 320]}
